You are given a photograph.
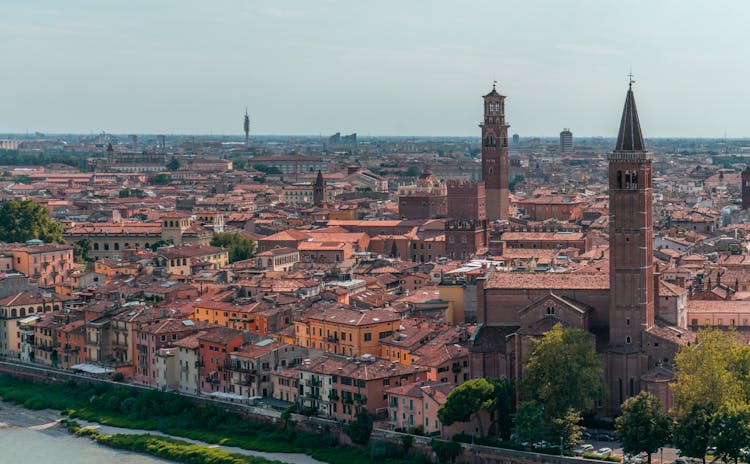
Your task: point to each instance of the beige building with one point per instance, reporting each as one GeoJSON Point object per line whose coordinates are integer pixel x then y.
{"type": "Point", "coordinates": [183, 260]}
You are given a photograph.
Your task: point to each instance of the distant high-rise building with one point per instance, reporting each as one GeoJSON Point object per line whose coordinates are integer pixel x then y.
{"type": "Point", "coordinates": [495, 156]}
{"type": "Point", "coordinates": [746, 188]}
{"type": "Point", "coordinates": [133, 142]}
{"type": "Point", "coordinates": [161, 141]}
{"type": "Point", "coordinates": [516, 139]}
{"type": "Point", "coordinates": [246, 127]}
{"type": "Point", "coordinates": [337, 139]}
{"type": "Point", "coordinates": [566, 141]}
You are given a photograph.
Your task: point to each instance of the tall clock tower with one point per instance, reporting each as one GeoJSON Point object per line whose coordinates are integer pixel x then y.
{"type": "Point", "coordinates": [495, 156]}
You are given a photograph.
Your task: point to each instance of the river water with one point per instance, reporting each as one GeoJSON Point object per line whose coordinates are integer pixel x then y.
{"type": "Point", "coordinates": [55, 446]}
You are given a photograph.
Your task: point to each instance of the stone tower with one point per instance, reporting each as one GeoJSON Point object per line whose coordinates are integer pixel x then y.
{"type": "Point", "coordinates": [631, 305]}
{"type": "Point", "coordinates": [495, 155]}
{"type": "Point", "coordinates": [746, 188]}
{"type": "Point", "coordinates": [319, 190]}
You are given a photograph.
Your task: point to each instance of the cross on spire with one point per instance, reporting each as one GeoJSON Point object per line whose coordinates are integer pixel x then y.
{"type": "Point", "coordinates": [630, 79]}
{"type": "Point", "coordinates": [494, 83]}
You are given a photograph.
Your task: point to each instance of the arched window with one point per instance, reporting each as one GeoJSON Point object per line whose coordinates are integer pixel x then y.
{"type": "Point", "coordinates": [96, 246]}
{"type": "Point", "coordinates": [627, 179]}
{"type": "Point", "coordinates": [619, 179]}
{"type": "Point", "coordinates": [13, 312]}
{"type": "Point", "coordinates": [628, 340]}
{"type": "Point", "coordinates": [550, 310]}
{"type": "Point", "coordinates": [22, 312]}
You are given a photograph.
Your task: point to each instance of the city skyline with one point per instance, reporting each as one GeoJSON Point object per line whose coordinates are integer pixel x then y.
{"type": "Point", "coordinates": [389, 69]}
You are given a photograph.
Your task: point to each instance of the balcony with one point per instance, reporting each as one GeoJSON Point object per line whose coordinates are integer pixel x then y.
{"type": "Point", "coordinates": [71, 349]}
{"type": "Point", "coordinates": [247, 381]}
{"type": "Point", "coordinates": [237, 367]}
{"type": "Point", "coordinates": [313, 382]}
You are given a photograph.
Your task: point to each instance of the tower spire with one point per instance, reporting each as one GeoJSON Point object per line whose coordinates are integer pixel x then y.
{"type": "Point", "coordinates": [246, 127]}
{"type": "Point", "coordinates": [630, 138]}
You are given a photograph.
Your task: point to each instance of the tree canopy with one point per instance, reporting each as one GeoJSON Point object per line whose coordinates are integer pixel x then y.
{"type": "Point", "coordinates": [730, 431]}
{"type": "Point", "coordinates": [712, 394]}
{"type": "Point", "coordinates": [563, 372]}
{"type": "Point", "coordinates": [712, 372]}
{"type": "Point", "coordinates": [240, 247]}
{"type": "Point", "coordinates": [466, 401]}
{"type": "Point", "coordinates": [642, 427]}
{"type": "Point", "coordinates": [27, 220]}
{"type": "Point", "coordinates": [173, 164]}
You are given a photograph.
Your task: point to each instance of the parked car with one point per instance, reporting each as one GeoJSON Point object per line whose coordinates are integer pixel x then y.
{"type": "Point", "coordinates": [583, 448]}
{"type": "Point", "coordinates": [604, 437]}
{"type": "Point", "coordinates": [604, 451]}
{"type": "Point", "coordinates": [711, 451]}
{"type": "Point", "coordinates": [586, 434]}
{"type": "Point", "coordinates": [681, 461]}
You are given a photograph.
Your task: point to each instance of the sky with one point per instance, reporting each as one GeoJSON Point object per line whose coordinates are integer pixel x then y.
{"type": "Point", "coordinates": [401, 67]}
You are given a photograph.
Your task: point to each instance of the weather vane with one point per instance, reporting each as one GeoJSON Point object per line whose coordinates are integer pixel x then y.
{"type": "Point", "coordinates": [630, 78]}
{"type": "Point", "coordinates": [494, 83]}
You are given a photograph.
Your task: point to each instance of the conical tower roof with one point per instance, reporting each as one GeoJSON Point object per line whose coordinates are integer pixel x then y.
{"type": "Point", "coordinates": [630, 137]}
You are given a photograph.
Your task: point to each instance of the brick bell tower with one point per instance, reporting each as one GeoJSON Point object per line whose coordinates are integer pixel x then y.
{"type": "Point", "coordinates": [495, 155]}
{"type": "Point", "coordinates": [631, 306]}
{"type": "Point", "coordinates": [746, 188]}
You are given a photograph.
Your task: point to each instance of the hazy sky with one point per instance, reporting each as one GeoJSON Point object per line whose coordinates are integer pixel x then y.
{"type": "Point", "coordinates": [373, 67]}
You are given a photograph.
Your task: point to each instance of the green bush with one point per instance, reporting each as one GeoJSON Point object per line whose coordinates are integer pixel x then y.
{"type": "Point", "coordinates": [599, 457]}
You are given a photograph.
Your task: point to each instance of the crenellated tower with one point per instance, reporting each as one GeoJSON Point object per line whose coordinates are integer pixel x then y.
{"type": "Point", "coordinates": [495, 156]}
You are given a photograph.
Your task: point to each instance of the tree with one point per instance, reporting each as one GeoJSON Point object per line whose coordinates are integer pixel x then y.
{"type": "Point", "coordinates": [173, 164]}
{"type": "Point", "coordinates": [692, 431]}
{"type": "Point", "coordinates": [642, 427]}
{"type": "Point", "coordinates": [360, 428]}
{"type": "Point", "coordinates": [413, 171]}
{"type": "Point", "coordinates": [529, 421]}
{"type": "Point", "coordinates": [500, 408]}
{"type": "Point", "coordinates": [730, 431]}
{"type": "Point", "coordinates": [711, 372]}
{"type": "Point", "coordinates": [21, 221]}
{"type": "Point", "coordinates": [286, 417]}
{"type": "Point", "coordinates": [563, 371]}
{"type": "Point", "coordinates": [467, 400]}
{"type": "Point", "coordinates": [446, 451]}
{"type": "Point", "coordinates": [567, 428]}
{"type": "Point", "coordinates": [160, 179]}
{"type": "Point", "coordinates": [240, 247]}
{"type": "Point", "coordinates": [81, 250]}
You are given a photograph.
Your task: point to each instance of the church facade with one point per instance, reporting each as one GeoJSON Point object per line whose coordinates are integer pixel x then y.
{"type": "Point", "coordinates": [617, 304]}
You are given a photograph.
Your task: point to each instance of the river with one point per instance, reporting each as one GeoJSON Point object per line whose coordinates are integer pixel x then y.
{"type": "Point", "coordinates": [32, 437]}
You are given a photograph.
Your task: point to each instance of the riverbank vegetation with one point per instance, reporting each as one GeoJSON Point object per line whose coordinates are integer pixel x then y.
{"type": "Point", "coordinates": [167, 448]}
{"type": "Point", "coordinates": [176, 415]}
